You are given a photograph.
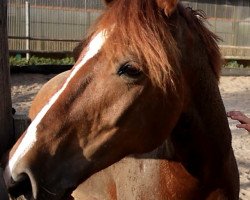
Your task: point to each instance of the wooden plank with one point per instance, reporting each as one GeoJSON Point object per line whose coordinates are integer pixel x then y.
{"type": "Point", "coordinates": [235, 72]}
{"type": "Point", "coordinates": [21, 123]}
{"type": "Point", "coordinates": [235, 52]}
{"type": "Point", "coordinates": [6, 122]}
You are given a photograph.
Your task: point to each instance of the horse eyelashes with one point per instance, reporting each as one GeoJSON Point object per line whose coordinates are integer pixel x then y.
{"type": "Point", "coordinates": [129, 71]}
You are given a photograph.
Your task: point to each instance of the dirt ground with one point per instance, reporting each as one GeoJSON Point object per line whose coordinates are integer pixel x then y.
{"type": "Point", "coordinates": [235, 93]}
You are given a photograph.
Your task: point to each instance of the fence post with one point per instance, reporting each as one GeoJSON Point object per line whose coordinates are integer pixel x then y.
{"type": "Point", "coordinates": [6, 121]}
{"type": "Point", "coordinates": [3, 190]}
{"type": "Point", "coordinates": [27, 28]}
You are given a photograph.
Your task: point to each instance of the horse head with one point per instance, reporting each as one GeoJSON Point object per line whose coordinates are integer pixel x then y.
{"type": "Point", "coordinates": [120, 98]}
{"type": "Point", "coordinates": [124, 95]}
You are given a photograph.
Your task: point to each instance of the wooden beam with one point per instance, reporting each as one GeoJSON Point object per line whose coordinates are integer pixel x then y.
{"type": "Point", "coordinates": [21, 123]}
{"type": "Point", "coordinates": [6, 121]}
{"type": "Point", "coordinates": [3, 190]}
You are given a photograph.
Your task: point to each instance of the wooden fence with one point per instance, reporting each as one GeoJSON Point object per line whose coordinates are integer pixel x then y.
{"type": "Point", "coordinates": [6, 131]}
{"type": "Point", "coordinates": [230, 20]}
{"type": "Point", "coordinates": [49, 26]}
{"type": "Point", "coordinates": [6, 123]}
{"type": "Point", "coordinates": [56, 26]}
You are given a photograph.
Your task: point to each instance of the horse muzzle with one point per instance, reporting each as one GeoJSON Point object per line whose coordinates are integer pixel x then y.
{"type": "Point", "coordinates": [24, 187]}
{"type": "Point", "coordinates": [20, 185]}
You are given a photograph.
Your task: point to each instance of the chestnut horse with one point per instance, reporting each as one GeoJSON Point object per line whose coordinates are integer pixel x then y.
{"type": "Point", "coordinates": [146, 80]}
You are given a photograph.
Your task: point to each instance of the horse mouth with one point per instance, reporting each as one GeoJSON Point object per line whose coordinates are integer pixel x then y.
{"type": "Point", "coordinates": [22, 190]}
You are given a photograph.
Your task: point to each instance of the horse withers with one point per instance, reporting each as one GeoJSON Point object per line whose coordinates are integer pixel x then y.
{"type": "Point", "coordinates": [146, 80]}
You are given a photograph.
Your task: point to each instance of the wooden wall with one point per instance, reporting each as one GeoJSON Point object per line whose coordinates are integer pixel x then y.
{"type": "Point", "coordinates": [6, 122]}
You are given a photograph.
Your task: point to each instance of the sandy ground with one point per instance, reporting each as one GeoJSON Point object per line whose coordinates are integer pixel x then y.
{"type": "Point", "coordinates": [235, 93]}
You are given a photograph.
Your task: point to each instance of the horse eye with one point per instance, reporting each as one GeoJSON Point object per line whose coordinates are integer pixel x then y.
{"type": "Point", "coordinates": [129, 70]}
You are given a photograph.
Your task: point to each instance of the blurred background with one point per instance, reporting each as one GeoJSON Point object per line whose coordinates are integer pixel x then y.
{"type": "Point", "coordinates": [56, 26]}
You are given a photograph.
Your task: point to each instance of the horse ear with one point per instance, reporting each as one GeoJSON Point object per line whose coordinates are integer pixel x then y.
{"type": "Point", "coordinates": [169, 6]}
{"type": "Point", "coordinates": [107, 1]}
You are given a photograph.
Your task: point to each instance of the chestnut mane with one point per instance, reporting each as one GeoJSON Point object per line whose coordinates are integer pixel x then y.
{"type": "Point", "coordinates": [144, 29]}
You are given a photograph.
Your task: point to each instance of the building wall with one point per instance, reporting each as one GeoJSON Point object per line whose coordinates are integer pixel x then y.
{"type": "Point", "coordinates": [56, 26]}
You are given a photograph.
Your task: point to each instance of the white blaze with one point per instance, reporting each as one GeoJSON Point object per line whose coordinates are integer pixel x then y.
{"type": "Point", "coordinates": [30, 137]}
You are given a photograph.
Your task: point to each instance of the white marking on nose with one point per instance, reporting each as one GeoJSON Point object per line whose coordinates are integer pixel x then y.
{"type": "Point", "coordinates": [30, 137]}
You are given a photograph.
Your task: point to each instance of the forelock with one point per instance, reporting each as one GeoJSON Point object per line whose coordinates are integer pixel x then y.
{"type": "Point", "coordinates": [141, 28]}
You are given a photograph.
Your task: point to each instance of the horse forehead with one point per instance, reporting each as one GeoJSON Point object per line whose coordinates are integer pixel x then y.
{"type": "Point", "coordinates": [93, 47]}
{"type": "Point", "coordinates": [30, 137]}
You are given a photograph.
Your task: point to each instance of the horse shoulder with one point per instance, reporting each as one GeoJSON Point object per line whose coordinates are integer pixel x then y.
{"type": "Point", "coordinates": [144, 176]}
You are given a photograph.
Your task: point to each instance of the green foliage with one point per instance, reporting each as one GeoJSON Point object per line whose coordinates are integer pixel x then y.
{"type": "Point", "coordinates": [15, 61]}
{"type": "Point", "coordinates": [34, 60]}
{"type": "Point", "coordinates": [233, 64]}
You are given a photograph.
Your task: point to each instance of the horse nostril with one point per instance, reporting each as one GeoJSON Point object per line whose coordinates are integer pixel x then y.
{"type": "Point", "coordinates": [21, 187]}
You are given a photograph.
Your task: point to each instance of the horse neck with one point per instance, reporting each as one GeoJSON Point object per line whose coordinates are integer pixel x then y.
{"type": "Point", "coordinates": [202, 92]}
{"type": "Point", "coordinates": [201, 138]}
